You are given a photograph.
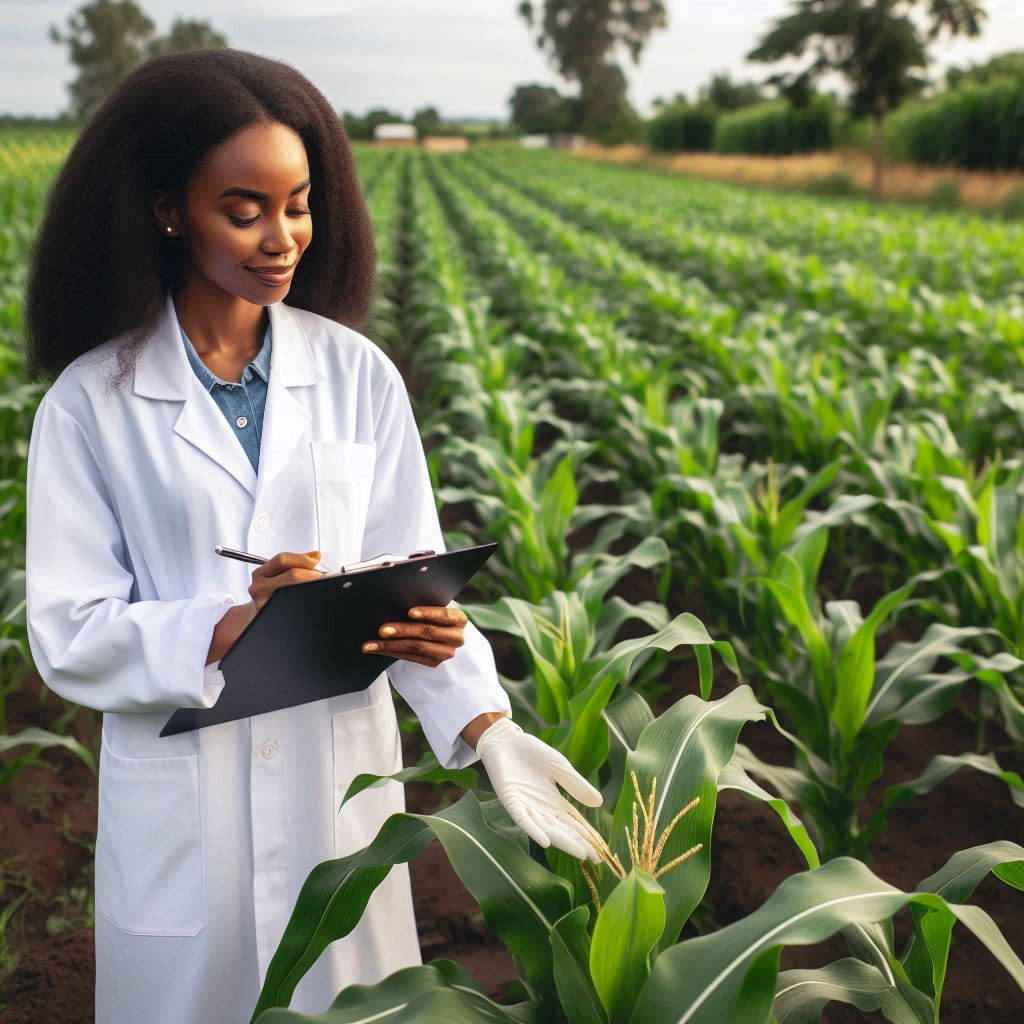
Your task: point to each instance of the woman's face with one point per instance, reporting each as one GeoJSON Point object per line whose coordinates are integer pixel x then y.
{"type": "Point", "coordinates": [247, 207]}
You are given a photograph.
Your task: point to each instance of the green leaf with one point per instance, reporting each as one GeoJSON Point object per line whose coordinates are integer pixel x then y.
{"type": "Point", "coordinates": [686, 749]}
{"type": "Point", "coordinates": [520, 900]}
{"type": "Point", "coordinates": [43, 738]}
{"type": "Point", "coordinates": [627, 928]}
{"type": "Point", "coordinates": [570, 944]}
{"type": "Point", "coordinates": [802, 994]}
{"type": "Point", "coordinates": [700, 980]}
{"type": "Point", "coordinates": [927, 952]}
{"type": "Point", "coordinates": [855, 669]}
{"type": "Point", "coordinates": [733, 776]}
{"type": "Point", "coordinates": [426, 770]}
{"type": "Point", "coordinates": [938, 769]}
{"type": "Point", "coordinates": [588, 741]}
{"type": "Point", "coordinates": [411, 995]}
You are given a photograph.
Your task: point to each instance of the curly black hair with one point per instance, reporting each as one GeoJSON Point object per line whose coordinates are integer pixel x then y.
{"type": "Point", "coordinates": [99, 266]}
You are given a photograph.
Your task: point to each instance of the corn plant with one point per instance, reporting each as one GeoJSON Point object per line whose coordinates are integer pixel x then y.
{"type": "Point", "coordinates": [574, 669]}
{"type": "Point", "coordinates": [530, 511]}
{"type": "Point", "coordinates": [607, 950]}
{"type": "Point", "coordinates": [847, 706]}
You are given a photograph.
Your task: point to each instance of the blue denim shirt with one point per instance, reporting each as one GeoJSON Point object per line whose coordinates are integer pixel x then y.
{"type": "Point", "coordinates": [242, 403]}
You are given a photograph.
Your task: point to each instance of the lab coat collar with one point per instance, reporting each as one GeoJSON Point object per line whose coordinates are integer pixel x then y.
{"type": "Point", "coordinates": [162, 370]}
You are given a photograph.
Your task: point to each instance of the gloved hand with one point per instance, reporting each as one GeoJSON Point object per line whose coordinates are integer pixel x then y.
{"type": "Point", "coordinates": [524, 771]}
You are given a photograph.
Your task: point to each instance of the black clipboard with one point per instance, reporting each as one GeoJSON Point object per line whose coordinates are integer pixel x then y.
{"type": "Point", "coordinates": [305, 643]}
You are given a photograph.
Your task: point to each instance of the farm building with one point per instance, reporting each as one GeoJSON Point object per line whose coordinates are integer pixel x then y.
{"type": "Point", "coordinates": [395, 134]}
{"type": "Point", "coordinates": [446, 143]}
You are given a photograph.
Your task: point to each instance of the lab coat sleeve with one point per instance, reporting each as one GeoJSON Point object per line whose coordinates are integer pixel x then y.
{"type": "Point", "coordinates": [91, 644]}
{"type": "Point", "coordinates": [402, 518]}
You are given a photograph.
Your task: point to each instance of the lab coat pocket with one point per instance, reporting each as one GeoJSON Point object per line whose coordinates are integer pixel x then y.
{"type": "Point", "coordinates": [150, 875]}
{"type": "Point", "coordinates": [344, 475]}
{"type": "Point", "coordinates": [366, 739]}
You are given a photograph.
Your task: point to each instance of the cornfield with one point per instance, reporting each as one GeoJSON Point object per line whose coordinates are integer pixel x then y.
{"type": "Point", "coordinates": [753, 464]}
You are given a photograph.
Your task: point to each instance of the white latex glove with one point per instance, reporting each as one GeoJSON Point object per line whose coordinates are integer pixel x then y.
{"type": "Point", "coordinates": [524, 771]}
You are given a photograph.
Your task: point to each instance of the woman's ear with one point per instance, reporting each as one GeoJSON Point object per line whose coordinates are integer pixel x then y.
{"type": "Point", "coordinates": [166, 215]}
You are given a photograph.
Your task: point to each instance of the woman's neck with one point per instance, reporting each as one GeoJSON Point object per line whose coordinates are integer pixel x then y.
{"type": "Point", "coordinates": [223, 328]}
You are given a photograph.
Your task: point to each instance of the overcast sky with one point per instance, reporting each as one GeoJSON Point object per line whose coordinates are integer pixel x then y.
{"type": "Point", "coordinates": [463, 56]}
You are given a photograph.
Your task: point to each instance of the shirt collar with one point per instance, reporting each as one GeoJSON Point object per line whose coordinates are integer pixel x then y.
{"type": "Point", "coordinates": [261, 364]}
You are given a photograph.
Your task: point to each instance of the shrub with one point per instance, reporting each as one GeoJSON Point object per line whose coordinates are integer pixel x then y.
{"type": "Point", "coordinates": [680, 129]}
{"type": "Point", "coordinates": [977, 126]}
{"type": "Point", "coordinates": [776, 129]}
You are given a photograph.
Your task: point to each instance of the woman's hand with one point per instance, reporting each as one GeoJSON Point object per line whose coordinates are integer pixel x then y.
{"type": "Point", "coordinates": [284, 569]}
{"type": "Point", "coordinates": [433, 636]}
{"type": "Point", "coordinates": [525, 773]}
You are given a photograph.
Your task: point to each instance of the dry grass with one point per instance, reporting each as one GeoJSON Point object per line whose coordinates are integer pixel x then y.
{"type": "Point", "coordinates": [978, 189]}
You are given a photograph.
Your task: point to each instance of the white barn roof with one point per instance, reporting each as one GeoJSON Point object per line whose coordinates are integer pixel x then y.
{"type": "Point", "coordinates": [395, 131]}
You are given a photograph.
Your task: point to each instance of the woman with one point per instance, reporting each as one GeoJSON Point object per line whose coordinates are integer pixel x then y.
{"type": "Point", "coordinates": [210, 186]}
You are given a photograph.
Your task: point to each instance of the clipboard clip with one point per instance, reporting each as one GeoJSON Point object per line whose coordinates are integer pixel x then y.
{"type": "Point", "coordinates": [389, 559]}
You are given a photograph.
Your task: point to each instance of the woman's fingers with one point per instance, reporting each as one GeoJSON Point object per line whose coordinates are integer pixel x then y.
{"type": "Point", "coordinates": [433, 636]}
{"type": "Point", "coordinates": [450, 636]}
{"type": "Point", "coordinates": [285, 560]}
{"type": "Point", "coordinates": [282, 570]}
{"type": "Point", "coordinates": [521, 815]}
{"type": "Point", "coordinates": [414, 646]}
{"type": "Point", "coordinates": [442, 616]}
{"type": "Point", "coordinates": [565, 837]}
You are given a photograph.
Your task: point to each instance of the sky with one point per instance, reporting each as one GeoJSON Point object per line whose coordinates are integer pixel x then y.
{"type": "Point", "coordinates": [463, 56]}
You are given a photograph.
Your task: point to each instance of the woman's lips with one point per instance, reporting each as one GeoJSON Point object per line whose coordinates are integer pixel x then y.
{"type": "Point", "coordinates": [272, 278]}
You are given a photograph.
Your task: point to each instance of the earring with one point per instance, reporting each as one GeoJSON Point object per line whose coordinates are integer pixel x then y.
{"type": "Point", "coordinates": [169, 228]}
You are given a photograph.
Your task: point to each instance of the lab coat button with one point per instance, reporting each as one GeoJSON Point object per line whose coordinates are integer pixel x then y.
{"type": "Point", "coordinates": [241, 421]}
{"type": "Point", "coordinates": [269, 750]}
{"type": "Point", "coordinates": [262, 521]}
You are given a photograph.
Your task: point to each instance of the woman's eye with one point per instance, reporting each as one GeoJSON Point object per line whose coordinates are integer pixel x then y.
{"type": "Point", "coordinates": [244, 223]}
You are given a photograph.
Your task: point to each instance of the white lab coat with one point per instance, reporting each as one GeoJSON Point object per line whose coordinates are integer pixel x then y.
{"type": "Point", "coordinates": [205, 838]}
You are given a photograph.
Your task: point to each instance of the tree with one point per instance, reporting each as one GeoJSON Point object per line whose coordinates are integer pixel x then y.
{"type": "Point", "coordinates": [107, 38]}
{"type": "Point", "coordinates": [187, 35]}
{"type": "Point", "coordinates": [539, 109]}
{"type": "Point", "coordinates": [580, 37]}
{"type": "Point", "coordinates": [1011, 63]}
{"type": "Point", "coordinates": [357, 127]}
{"type": "Point", "coordinates": [427, 121]}
{"type": "Point", "coordinates": [874, 44]}
{"type": "Point", "coordinates": [723, 93]}
{"type": "Point", "coordinates": [606, 113]}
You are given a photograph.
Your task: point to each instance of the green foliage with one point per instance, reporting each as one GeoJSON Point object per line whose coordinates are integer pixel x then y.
{"type": "Point", "coordinates": [978, 125]}
{"type": "Point", "coordinates": [107, 39]}
{"type": "Point", "coordinates": [680, 128]}
{"type": "Point", "coordinates": [540, 108]}
{"type": "Point", "coordinates": [876, 47]}
{"type": "Point", "coordinates": [777, 129]}
{"type": "Point", "coordinates": [581, 39]}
